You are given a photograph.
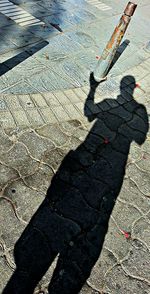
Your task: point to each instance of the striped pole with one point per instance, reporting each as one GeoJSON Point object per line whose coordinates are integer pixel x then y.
{"type": "Point", "coordinates": [108, 53]}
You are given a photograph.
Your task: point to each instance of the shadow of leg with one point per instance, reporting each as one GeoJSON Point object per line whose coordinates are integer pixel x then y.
{"type": "Point", "coordinates": [33, 257]}
{"type": "Point", "coordinates": [76, 262]}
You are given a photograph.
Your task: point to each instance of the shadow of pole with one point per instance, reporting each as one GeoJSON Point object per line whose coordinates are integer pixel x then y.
{"type": "Point", "coordinates": [15, 60]}
{"type": "Point", "coordinates": [73, 219]}
{"type": "Point", "coordinates": [119, 52]}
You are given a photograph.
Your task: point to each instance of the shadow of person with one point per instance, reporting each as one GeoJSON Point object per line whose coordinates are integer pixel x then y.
{"type": "Point", "coordinates": [73, 218]}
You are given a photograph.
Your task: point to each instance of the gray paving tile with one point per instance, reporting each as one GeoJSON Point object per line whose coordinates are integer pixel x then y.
{"type": "Point", "coordinates": [86, 14]}
{"type": "Point", "coordinates": [7, 120]}
{"type": "Point", "coordinates": [34, 117]}
{"type": "Point", "coordinates": [20, 118]}
{"type": "Point", "coordinates": [51, 99]}
{"type": "Point", "coordinates": [3, 104]}
{"type": "Point", "coordinates": [130, 62]}
{"type": "Point", "coordinates": [45, 31]}
{"type": "Point", "coordinates": [26, 101]}
{"type": "Point", "coordinates": [18, 36]}
{"type": "Point", "coordinates": [83, 38]}
{"type": "Point", "coordinates": [60, 113]}
{"type": "Point", "coordinates": [18, 88]}
{"type": "Point", "coordinates": [72, 111]}
{"type": "Point", "coordinates": [39, 100]}
{"type": "Point", "coordinates": [61, 44]}
{"type": "Point", "coordinates": [5, 21]}
{"type": "Point", "coordinates": [62, 98]}
{"type": "Point", "coordinates": [80, 93]}
{"type": "Point", "coordinates": [48, 81]}
{"type": "Point", "coordinates": [87, 59]}
{"type": "Point", "coordinates": [6, 45]}
{"type": "Point", "coordinates": [59, 22]}
{"type": "Point", "coordinates": [73, 98]}
{"type": "Point", "coordinates": [13, 102]}
{"type": "Point", "coordinates": [48, 115]}
{"type": "Point", "coordinates": [60, 72]}
{"type": "Point", "coordinates": [3, 85]}
{"type": "Point", "coordinates": [80, 107]}
{"type": "Point", "coordinates": [80, 75]}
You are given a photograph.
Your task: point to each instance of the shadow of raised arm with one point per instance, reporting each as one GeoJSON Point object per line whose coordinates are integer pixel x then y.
{"type": "Point", "coordinates": [89, 103]}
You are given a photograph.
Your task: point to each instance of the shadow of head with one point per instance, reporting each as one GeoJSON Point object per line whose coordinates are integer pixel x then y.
{"type": "Point", "coordinates": [128, 81]}
{"type": "Point", "coordinates": [123, 114]}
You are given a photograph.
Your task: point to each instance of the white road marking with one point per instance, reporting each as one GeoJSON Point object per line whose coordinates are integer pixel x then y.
{"type": "Point", "coordinates": [100, 5]}
{"type": "Point", "coordinates": [17, 14]}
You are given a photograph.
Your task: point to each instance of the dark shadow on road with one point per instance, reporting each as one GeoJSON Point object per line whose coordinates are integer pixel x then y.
{"type": "Point", "coordinates": [15, 60]}
{"type": "Point", "coordinates": [73, 219]}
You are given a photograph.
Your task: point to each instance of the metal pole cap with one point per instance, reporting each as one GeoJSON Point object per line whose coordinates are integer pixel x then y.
{"type": "Point", "coordinates": [130, 8]}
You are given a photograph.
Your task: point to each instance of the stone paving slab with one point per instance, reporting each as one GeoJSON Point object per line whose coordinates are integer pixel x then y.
{"type": "Point", "coordinates": [58, 106]}
{"type": "Point", "coordinates": [19, 37]}
{"type": "Point", "coordinates": [29, 159]}
{"type": "Point", "coordinates": [42, 120]}
{"type": "Point", "coordinates": [71, 33]}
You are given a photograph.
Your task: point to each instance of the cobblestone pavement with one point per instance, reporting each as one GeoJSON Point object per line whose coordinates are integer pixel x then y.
{"type": "Point", "coordinates": [44, 85]}
{"type": "Point", "coordinates": [60, 53]}
{"type": "Point", "coordinates": [32, 110]}
{"type": "Point", "coordinates": [31, 156]}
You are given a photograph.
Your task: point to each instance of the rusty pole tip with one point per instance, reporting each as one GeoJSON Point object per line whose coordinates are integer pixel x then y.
{"type": "Point", "coordinates": [130, 8]}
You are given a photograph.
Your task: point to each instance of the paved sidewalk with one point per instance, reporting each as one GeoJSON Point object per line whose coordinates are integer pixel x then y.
{"type": "Point", "coordinates": [60, 54]}
{"type": "Point", "coordinates": [33, 110]}
{"type": "Point", "coordinates": [42, 116]}
{"type": "Point", "coordinates": [29, 158]}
